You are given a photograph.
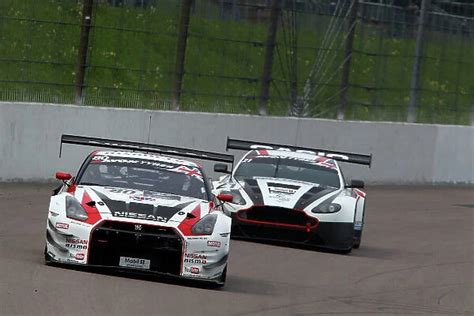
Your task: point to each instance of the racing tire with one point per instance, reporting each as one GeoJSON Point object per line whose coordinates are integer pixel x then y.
{"type": "Point", "coordinates": [220, 282]}
{"type": "Point", "coordinates": [357, 239]}
{"type": "Point", "coordinates": [344, 251]}
{"type": "Point", "coordinates": [47, 258]}
{"type": "Point", "coordinates": [358, 233]}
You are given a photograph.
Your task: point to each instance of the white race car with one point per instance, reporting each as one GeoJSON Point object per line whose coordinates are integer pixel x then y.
{"type": "Point", "coordinates": [139, 211]}
{"type": "Point", "coordinates": [292, 194]}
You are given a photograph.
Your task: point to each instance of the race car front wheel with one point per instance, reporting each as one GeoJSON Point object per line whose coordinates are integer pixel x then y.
{"type": "Point", "coordinates": [357, 238]}
{"type": "Point", "coordinates": [220, 282]}
{"type": "Point", "coordinates": [47, 258]}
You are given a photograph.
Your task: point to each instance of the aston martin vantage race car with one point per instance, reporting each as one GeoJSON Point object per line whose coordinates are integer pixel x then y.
{"type": "Point", "coordinates": [139, 210]}
{"type": "Point", "coordinates": [293, 194]}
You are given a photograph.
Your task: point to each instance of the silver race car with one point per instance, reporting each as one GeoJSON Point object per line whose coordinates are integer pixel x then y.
{"type": "Point", "coordinates": [293, 194]}
{"type": "Point", "coordinates": [139, 210]}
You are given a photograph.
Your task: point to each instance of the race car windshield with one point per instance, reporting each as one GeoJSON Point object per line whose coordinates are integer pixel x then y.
{"type": "Point", "coordinates": [286, 168]}
{"type": "Point", "coordinates": [145, 175]}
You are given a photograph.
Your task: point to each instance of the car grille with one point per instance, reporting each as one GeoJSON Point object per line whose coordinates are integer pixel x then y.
{"type": "Point", "coordinates": [112, 240]}
{"type": "Point", "coordinates": [278, 216]}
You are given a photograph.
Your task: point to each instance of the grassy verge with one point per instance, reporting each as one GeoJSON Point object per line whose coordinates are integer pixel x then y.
{"type": "Point", "coordinates": [132, 56]}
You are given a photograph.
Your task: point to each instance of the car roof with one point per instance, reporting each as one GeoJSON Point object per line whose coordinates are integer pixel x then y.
{"type": "Point", "coordinates": [145, 156]}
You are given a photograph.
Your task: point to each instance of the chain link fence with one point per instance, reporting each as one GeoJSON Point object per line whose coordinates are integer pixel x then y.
{"type": "Point", "coordinates": [235, 60]}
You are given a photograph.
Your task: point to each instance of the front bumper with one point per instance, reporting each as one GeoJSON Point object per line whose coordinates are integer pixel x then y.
{"type": "Point", "coordinates": [328, 235]}
{"type": "Point", "coordinates": [164, 249]}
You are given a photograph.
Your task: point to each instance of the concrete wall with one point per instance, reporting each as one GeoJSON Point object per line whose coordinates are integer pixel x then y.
{"type": "Point", "coordinates": [402, 153]}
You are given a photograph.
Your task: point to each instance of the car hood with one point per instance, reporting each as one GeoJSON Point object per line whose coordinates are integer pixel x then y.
{"type": "Point", "coordinates": [283, 192]}
{"type": "Point", "coordinates": [132, 204]}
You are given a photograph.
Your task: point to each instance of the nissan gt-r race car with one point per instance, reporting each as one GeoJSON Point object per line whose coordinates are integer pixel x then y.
{"type": "Point", "coordinates": [139, 210]}
{"type": "Point", "coordinates": [293, 194]}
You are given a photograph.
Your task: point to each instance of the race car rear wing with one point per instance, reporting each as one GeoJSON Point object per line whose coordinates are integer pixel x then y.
{"type": "Point", "coordinates": [151, 148]}
{"type": "Point", "coordinates": [336, 155]}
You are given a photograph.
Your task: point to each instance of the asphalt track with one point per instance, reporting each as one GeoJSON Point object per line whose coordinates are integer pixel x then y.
{"type": "Point", "coordinates": [416, 258]}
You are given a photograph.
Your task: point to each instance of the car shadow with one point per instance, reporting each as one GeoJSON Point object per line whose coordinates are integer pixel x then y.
{"type": "Point", "coordinates": [285, 244]}
{"type": "Point", "coordinates": [368, 251]}
{"type": "Point", "coordinates": [235, 284]}
{"type": "Point", "coordinates": [138, 275]}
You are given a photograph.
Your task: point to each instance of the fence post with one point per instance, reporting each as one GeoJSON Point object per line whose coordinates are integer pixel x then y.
{"type": "Point", "coordinates": [341, 111]}
{"type": "Point", "coordinates": [86, 22]}
{"type": "Point", "coordinates": [183, 28]}
{"type": "Point", "coordinates": [415, 80]}
{"type": "Point", "coordinates": [472, 114]}
{"type": "Point", "coordinates": [268, 56]}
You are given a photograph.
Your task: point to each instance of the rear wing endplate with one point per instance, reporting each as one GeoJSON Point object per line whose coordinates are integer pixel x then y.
{"type": "Point", "coordinates": [360, 159]}
{"type": "Point", "coordinates": [150, 148]}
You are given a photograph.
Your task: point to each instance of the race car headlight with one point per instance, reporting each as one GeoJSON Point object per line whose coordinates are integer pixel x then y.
{"type": "Point", "coordinates": [327, 208]}
{"type": "Point", "coordinates": [205, 226]}
{"type": "Point", "coordinates": [74, 209]}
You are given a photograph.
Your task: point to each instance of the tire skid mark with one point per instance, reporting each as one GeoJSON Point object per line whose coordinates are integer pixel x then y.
{"type": "Point", "coordinates": [412, 268]}
{"type": "Point", "coordinates": [353, 298]}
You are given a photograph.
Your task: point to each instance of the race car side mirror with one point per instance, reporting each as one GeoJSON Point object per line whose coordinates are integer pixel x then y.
{"type": "Point", "coordinates": [220, 167]}
{"type": "Point", "coordinates": [225, 197]}
{"type": "Point", "coordinates": [63, 176]}
{"type": "Point", "coordinates": [358, 184]}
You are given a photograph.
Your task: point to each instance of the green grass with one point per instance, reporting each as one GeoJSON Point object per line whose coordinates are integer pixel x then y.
{"type": "Point", "coordinates": [132, 57]}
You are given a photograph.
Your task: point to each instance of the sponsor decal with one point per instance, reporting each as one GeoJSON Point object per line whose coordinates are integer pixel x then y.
{"type": "Point", "coordinates": [195, 255]}
{"type": "Point", "coordinates": [192, 172]}
{"type": "Point", "coordinates": [148, 217]}
{"type": "Point", "coordinates": [214, 243]}
{"type": "Point", "coordinates": [197, 238]}
{"type": "Point", "coordinates": [277, 190]}
{"type": "Point", "coordinates": [311, 152]}
{"type": "Point", "coordinates": [62, 225]}
{"type": "Point", "coordinates": [139, 162]}
{"type": "Point", "coordinates": [193, 270]}
{"type": "Point", "coordinates": [152, 196]}
{"type": "Point", "coordinates": [328, 164]}
{"type": "Point", "coordinates": [76, 243]}
{"type": "Point", "coordinates": [281, 197]}
{"type": "Point", "coordinates": [195, 258]}
{"type": "Point", "coordinates": [134, 263]}
{"type": "Point", "coordinates": [121, 191]}
{"type": "Point", "coordinates": [80, 256]}
{"type": "Point", "coordinates": [142, 198]}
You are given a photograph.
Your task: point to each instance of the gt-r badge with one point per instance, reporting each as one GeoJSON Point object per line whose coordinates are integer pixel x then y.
{"type": "Point", "coordinates": [138, 227]}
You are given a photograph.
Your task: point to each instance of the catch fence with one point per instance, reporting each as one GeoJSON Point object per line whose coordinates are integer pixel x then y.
{"type": "Point", "coordinates": [316, 58]}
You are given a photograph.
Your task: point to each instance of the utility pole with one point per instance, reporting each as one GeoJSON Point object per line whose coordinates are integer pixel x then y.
{"type": "Point", "coordinates": [415, 80]}
{"type": "Point", "coordinates": [268, 57]}
{"type": "Point", "coordinates": [341, 111]}
{"type": "Point", "coordinates": [86, 23]}
{"type": "Point", "coordinates": [183, 28]}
